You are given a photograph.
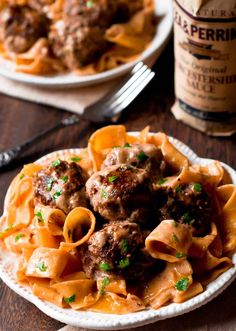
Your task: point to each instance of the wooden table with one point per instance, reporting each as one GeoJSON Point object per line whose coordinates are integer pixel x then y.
{"type": "Point", "coordinates": [21, 120]}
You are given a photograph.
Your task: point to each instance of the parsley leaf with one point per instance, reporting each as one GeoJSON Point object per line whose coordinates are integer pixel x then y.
{"type": "Point", "coordinates": [49, 184]}
{"type": "Point", "coordinates": [89, 4]}
{"type": "Point", "coordinates": [124, 263]}
{"type": "Point", "coordinates": [175, 224]}
{"type": "Point", "coordinates": [124, 245]}
{"type": "Point", "coordinates": [127, 145]}
{"type": "Point", "coordinates": [142, 157]}
{"type": "Point", "coordinates": [76, 159]}
{"type": "Point", "coordinates": [105, 282]}
{"type": "Point", "coordinates": [112, 179]}
{"type": "Point", "coordinates": [22, 176]}
{"type": "Point", "coordinates": [104, 266]}
{"type": "Point", "coordinates": [64, 179]}
{"type": "Point", "coordinates": [70, 299]}
{"type": "Point", "coordinates": [187, 218]}
{"type": "Point", "coordinates": [41, 266]}
{"type": "Point", "coordinates": [180, 255]}
{"type": "Point", "coordinates": [162, 181]}
{"type": "Point", "coordinates": [178, 189]}
{"type": "Point", "coordinates": [197, 187]}
{"type": "Point", "coordinates": [40, 216]}
{"type": "Point", "coordinates": [57, 194]}
{"type": "Point", "coordinates": [104, 194]}
{"type": "Point", "coordinates": [56, 163]}
{"type": "Point", "coordinates": [182, 284]}
{"type": "Point", "coordinates": [175, 238]}
{"type": "Point", "coordinates": [20, 235]}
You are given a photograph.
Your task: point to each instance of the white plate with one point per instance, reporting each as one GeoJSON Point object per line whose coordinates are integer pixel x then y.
{"type": "Point", "coordinates": [164, 28]}
{"type": "Point", "coordinates": [101, 321]}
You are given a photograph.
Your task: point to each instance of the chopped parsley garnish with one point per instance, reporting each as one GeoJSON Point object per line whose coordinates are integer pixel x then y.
{"type": "Point", "coordinates": [64, 179]}
{"type": "Point", "coordinates": [104, 194]}
{"type": "Point", "coordinates": [104, 266]}
{"type": "Point", "coordinates": [22, 176]}
{"type": "Point", "coordinates": [197, 187]}
{"type": "Point", "coordinates": [40, 216]}
{"type": "Point", "coordinates": [180, 255]}
{"type": "Point", "coordinates": [175, 223]}
{"type": "Point", "coordinates": [105, 282]}
{"type": "Point", "coordinates": [49, 184]}
{"type": "Point", "coordinates": [112, 179]}
{"type": "Point", "coordinates": [115, 146]}
{"type": "Point", "coordinates": [7, 229]}
{"type": "Point", "coordinates": [89, 4]}
{"type": "Point", "coordinates": [182, 284]}
{"type": "Point", "coordinates": [56, 163]}
{"type": "Point", "coordinates": [57, 194]}
{"type": "Point", "coordinates": [124, 245]}
{"type": "Point", "coordinates": [187, 218]}
{"type": "Point", "coordinates": [179, 189]}
{"type": "Point", "coordinates": [76, 159]}
{"type": "Point", "coordinates": [20, 235]}
{"type": "Point", "coordinates": [127, 145]}
{"type": "Point", "coordinates": [41, 266]}
{"type": "Point", "coordinates": [175, 238]}
{"type": "Point", "coordinates": [162, 181]}
{"type": "Point", "coordinates": [142, 157]}
{"type": "Point", "coordinates": [124, 263]}
{"type": "Point", "coordinates": [70, 299]}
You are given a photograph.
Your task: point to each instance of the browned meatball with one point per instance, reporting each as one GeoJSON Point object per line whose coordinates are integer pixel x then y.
{"type": "Point", "coordinates": [116, 249]}
{"type": "Point", "coordinates": [145, 156]}
{"type": "Point", "coordinates": [92, 12]}
{"type": "Point", "coordinates": [77, 46]}
{"type": "Point", "coordinates": [61, 185]}
{"type": "Point", "coordinates": [129, 8]}
{"type": "Point", "coordinates": [189, 204]}
{"type": "Point", "coordinates": [21, 27]}
{"type": "Point", "coordinates": [121, 192]}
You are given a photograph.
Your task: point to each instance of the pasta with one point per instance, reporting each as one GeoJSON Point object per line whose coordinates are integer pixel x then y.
{"type": "Point", "coordinates": [117, 41]}
{"type": "Point", "coordinates": [110, 253]}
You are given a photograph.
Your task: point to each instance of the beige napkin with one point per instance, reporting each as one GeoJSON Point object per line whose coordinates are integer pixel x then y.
{"type": "Point", "coordinates": [73, 99]}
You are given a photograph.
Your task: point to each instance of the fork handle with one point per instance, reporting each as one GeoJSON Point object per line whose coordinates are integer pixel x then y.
{"type": "Point", "coordinates": [10, 155]}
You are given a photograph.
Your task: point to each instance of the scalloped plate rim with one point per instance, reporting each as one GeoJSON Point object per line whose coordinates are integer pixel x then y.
{"type": "Point", "coordinates": [101, 321]}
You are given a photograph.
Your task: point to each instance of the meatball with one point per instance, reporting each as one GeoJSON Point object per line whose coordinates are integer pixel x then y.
{"type": "Point", "coordinates": [189, 204]}
{"type": "Point", "coordinates": [77, 46]}
{"type": "Point", "coordinates": [129, 8]}
{"type": "Point", "coordinates": [116, 249]}
{"type": "Point", "coordinates": [144, 156]}
{"type": "Point", "coordinates": [91, 13]}
{"type": "Point", "coordinates": [121, 192]}
{"type": "Point", "coordinates": [21, 27]}
{"type": "Point", "coordinates": [61, 185]}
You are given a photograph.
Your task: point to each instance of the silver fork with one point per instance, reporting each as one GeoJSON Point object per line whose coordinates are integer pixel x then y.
{"type": "Point", "coordinates": [107, 109]}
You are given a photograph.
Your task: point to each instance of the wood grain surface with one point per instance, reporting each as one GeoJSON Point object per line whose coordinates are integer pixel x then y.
{"type": "Point", "coordinates": [21, 120]}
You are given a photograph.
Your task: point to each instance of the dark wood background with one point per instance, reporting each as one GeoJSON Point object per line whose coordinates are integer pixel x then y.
{"type": "Point", "coordinates": [21, 120]}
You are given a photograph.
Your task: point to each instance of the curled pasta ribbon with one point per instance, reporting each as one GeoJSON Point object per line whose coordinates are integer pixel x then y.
{"type": "Point", "coordinates": [81, 290]}
{"type": "Point", "coordinates": [78, 220]}
{"type": "Point", "coordinates": [117, 286]}
{"type": "Point", "coordinates": [42, 289]}
{"type": "Point", "coordinates": [170, 153]}
{"type": "Point", "coordinates": [201, 244]}
{"type": "Point", "coordinates": [19, 240]}
{"type": "Point", "coordinates": [169, 241]}
{"type": "Point", "coordinates": [210, 267]}
{"type": "Point", "coordinates": [227, 198]}
{"type": "Point", "coordinates": [103, 140]}
{"type": "Point", "coordinates": [47, 263]}
{"type": "Point", "coordinates": [53, 219]}
{"type": "Point", "coordinates": [161, 289]}
{"type": "Point", "coordinates": [112, 303]}
{"type": "Point", "coordinates": [141, 138]}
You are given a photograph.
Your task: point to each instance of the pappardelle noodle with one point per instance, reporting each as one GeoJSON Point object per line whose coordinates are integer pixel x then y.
{"type": "Point", "coordinates": [124, 224]}
{"type": "Point", "coordinates": [87, 37]}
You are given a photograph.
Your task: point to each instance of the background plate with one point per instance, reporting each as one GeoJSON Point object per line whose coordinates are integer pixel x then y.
{"type": "Point", "coordinates": [164, 28]}
{"type": "Point", "coordinates": [115, 322]}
